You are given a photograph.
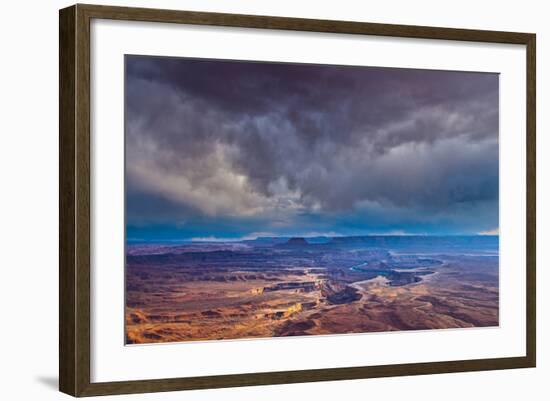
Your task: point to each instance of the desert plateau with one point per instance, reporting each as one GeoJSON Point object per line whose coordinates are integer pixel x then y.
{"type": "Point", "coordinates": [278, 286]}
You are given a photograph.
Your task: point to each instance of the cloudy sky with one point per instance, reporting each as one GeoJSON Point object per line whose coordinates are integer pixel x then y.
{"type": "Point", "coordinates": [228, 149]}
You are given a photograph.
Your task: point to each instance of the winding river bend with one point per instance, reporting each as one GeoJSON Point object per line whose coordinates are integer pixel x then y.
{"type": "Point", "coordinates": [398, 272]}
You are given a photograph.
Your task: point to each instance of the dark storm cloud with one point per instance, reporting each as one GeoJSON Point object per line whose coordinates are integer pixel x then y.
{"type": "Point", "coordinates": [270, 143]}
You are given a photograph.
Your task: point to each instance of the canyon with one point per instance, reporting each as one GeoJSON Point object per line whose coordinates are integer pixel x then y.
{"type": "Point", "coordinates": [276, 287]}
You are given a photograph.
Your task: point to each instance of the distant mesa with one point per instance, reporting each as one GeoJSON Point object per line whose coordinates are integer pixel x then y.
{"type": "Point", "coordinates": [297, 241]}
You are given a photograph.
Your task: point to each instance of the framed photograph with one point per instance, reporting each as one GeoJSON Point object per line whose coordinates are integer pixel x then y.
{"type": "Point", "coordinates": [250, 200]}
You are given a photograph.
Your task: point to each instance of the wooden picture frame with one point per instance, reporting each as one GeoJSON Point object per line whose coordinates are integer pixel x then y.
{"type": "Point", "coordinates": [74, 203]}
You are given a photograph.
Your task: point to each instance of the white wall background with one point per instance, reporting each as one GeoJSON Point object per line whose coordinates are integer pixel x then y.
{"type": "Point", "coordinates": [29, 184]}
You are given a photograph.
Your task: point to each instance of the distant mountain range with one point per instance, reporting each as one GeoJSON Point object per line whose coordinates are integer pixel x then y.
{"type": "Point", "coordinates": [284, 240]}
{"type": "Point", "coordinates": [398, 242]}
{"type": "Point", "coordinates": [365, 241]}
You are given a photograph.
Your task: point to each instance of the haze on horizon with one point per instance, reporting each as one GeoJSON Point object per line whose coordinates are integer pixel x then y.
{"type": "Point", "coordinates": [229, 150]}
